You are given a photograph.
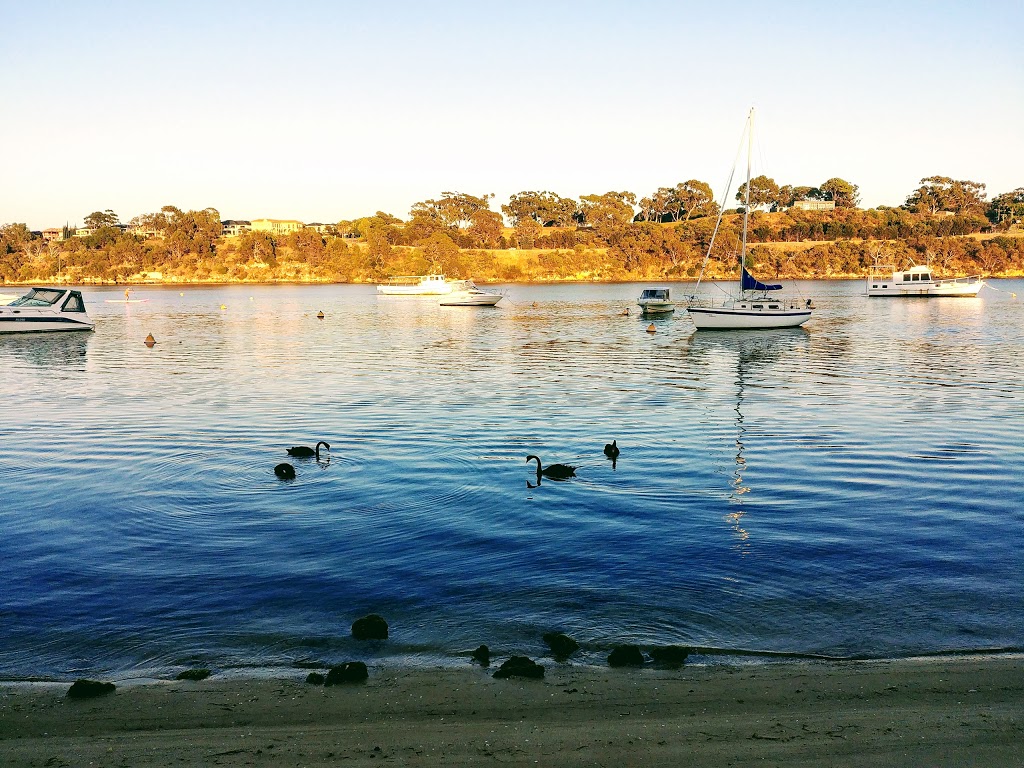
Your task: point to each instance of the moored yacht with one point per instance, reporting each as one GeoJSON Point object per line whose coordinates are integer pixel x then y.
{"type": "Point", "coordinates": [465, 293]}
{"type": "Point", "coordinates": [654, 301]}
{"type": "Point", "coordinates": [886, 280]}
{"type": "Point", "coordinates": [46, 309]}
{"type": "Point", "coordinates": [415, 285]}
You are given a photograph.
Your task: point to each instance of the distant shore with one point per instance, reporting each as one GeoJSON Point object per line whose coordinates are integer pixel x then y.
{"type": "Point", "coordinates": [936, 711]}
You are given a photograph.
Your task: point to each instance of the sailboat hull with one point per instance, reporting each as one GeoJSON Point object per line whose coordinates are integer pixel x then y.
{"type": "Point", "coordinates": [733, 318]}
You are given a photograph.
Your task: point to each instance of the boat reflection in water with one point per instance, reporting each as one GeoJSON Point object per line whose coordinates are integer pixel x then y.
{"type": "Point", "coordinates": [747, 354]}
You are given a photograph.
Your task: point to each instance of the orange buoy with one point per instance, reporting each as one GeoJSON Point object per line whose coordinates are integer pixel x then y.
{"type": "Point", "coordinates": [150, 341]}
{"type": "Point", "coordinates": [651, 328]}
{"type": "Point", "coordinates": [320, 315]}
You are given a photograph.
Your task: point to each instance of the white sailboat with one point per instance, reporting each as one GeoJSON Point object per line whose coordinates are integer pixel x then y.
{"type": "Point", "coordinates": [754, 306]}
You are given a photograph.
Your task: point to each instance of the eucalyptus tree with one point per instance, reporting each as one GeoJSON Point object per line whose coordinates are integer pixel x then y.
{"type": "Point", "coordinates": [942, 193]}
{"type": "Point", "coordinates": [546, 208]}
{"type": "Point", "coordinates": [764, 192]}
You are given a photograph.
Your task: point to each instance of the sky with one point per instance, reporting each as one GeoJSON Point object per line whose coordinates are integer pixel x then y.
{"type": "Point", "coordinates": [326, 111]}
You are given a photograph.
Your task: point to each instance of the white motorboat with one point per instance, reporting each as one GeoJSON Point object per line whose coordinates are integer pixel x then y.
{"type": "Point", "coordinates": [886, 280]}
{"type": "Point", "coordinates": [466, 294]}
{"type": "Point", "coordinates": [416, 285]}
{"type": "Point", "coordinates": [46, 309]}
{"type": "Point", "coordinates": [654, 301]}
{"type": "Point", "coordinates": [754, 306]}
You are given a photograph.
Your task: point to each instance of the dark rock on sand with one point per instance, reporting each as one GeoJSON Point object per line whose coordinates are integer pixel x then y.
{"type": "Point", "coordinates": [371, 627]}
{"type": "Point", "coordinates": [482, 655]}
{"type": "Point", "coordinates": [520, 666]}
{"type": "Point", "coordinates": [349, 672]}
{"type": "Point", "coordinates": [193, 674]}
{"type": "Point", "coordinates": [626, 656]}
{"type": "Point", "coordinates": [89, 689]}
{"type": "Point", "coordinates": [315, 678]}
{"type": "Point", "coordinates": [562, 646]}
{"type": "Point", "coordinates": [670, 655]}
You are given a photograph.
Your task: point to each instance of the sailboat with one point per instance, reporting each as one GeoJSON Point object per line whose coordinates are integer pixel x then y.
{"type": "Point", "coordinates": [754, 306]}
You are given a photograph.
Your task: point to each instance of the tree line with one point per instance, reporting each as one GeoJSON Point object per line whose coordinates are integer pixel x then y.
{"type": "Point", "coordinates": [545, 236]}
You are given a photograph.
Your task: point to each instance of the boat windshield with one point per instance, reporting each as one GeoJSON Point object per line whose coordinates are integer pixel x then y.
{"type": "Point", "coordinates": [38, 297]}
{"type": "Point", "coordinates": [655, 293]}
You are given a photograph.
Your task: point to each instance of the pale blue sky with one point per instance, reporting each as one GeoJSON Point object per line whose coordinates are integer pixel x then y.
{"type": "Point", "coordinates": [325, 111]}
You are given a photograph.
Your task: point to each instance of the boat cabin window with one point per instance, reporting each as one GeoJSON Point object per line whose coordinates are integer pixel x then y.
{"type": "Point", "coordinates": [38, 297]}
{"type": "Point", "coordinates": [759, 306]}
{"type": "Point", "coordinates": [906, 278]}
{"type": "Point", "coordinates": [915, 276]}
{"type": "Point", "coordinates": [926, 276]}
{"type": "Point", "coordinates": [773, 306]}
{"type": "Point", "coordinates": [74, 304]}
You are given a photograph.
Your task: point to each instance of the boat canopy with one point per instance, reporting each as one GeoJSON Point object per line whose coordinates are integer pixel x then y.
{"type": "Point", "coordinates": [750, 283]}
{"type": "Point", "coordinates": [655, 293]}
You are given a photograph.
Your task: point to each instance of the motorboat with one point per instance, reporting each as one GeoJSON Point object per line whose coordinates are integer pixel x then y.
{"type": "Point", "coordinates": [886, 280]}
{"type": "Point", "coordinates": [654, 301]}
{"type": "Point", "coordinates": [46, 309]}
{"type": "Point", "coordinates": [754, 306]}
{"type": "Point", "coordinates": [416, 285]}
{"type": "Point", "coordinates": [465, 293]}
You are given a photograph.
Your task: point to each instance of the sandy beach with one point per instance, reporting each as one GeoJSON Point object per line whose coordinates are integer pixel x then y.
{"type": "Point", "coordinates": [949, 711]}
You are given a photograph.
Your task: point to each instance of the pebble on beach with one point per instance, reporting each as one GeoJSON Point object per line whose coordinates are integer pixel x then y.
{"type": "Point", "coordinates": [372, 627]}
{"type": "Point", "coordinates": [89, 689]}
{"type": "Point", "coordinates": [349, 672]}
{"type": "Point", "coordinates": [520, 666]}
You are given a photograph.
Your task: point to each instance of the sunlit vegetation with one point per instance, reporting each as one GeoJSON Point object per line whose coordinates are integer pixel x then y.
{"type": "Point", "coordinates": [542, 236]}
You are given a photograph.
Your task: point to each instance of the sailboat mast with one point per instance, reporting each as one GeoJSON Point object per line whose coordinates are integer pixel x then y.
{"type": "Point", "coordinates": [746, 201]}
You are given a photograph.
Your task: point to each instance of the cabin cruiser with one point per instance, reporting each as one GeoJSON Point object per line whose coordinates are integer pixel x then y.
{"type": "Point", "coordinates": [416, 285]}
{"type": "Point", "coordinates": [656, 300]}
{"type": "Point", "coordinates": [46, 309]}
{"type": "Point", "coordinates": [466, 294]}
{"type": "Point", "coordinates": [886, 280]}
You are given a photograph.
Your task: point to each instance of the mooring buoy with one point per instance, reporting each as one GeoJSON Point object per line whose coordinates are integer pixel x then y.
{"type": "Point", "coordinates": [150, 341]}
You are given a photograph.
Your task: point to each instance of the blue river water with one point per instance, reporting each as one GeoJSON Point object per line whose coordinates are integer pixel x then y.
{"type": "Point", "coordinates": [851, 488]}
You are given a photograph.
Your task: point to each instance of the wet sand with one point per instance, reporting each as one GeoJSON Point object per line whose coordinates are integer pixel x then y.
{"type": "Point", "coordinates": [949, 712]}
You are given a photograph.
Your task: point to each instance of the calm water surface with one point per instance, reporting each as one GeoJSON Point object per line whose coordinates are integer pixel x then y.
{"type": "Point", "coordinates": [850, 488]}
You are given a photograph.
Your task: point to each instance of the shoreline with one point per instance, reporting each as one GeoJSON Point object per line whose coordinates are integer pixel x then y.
{"type": "Point", "coordinates": [931, 711]}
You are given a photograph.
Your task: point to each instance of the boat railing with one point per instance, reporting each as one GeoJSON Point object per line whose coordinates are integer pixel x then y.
{"type": "Point", "coordinates": [783, 302]}
{"type": "Point", "coordinates": [968, 280]}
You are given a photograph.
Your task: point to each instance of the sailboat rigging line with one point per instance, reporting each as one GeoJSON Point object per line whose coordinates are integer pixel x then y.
{"type": "Point", "coordinates": [721, 212]}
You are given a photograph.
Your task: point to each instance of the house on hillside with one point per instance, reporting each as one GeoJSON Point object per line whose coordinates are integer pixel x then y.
{"type": "Point", "coordinates": [323, 229]}
{"type": "Point", "coordinates": [58, 234]}
{"type": "Point", "coordinates": [276, 226]}
{"type": "Point", "coordinates": [815, 205]}
{"type": "Point", "coordinates": [235, 227]}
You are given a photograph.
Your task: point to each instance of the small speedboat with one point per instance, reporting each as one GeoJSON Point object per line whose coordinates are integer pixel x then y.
{"type": "Point", "coordinates": [655, 301]}
{"type": "Point", "coordinates": [466, 294]}
{"type": "Point", "coordinates": [46, 309]}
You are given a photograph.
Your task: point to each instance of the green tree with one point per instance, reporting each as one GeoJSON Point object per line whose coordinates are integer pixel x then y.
{"type": "Point", "coordinates": [764, 192]}
{"type": "Point", "coordinates": [609, 211]}
{"type": "Point", "coordinates": [845, 194]}
{"type": "Point", "coordinates": [546, 208]}
{"type": "Point", "coordinates": [1009, 206]}
{"type": "Point", "coordinates": [696, 198]}
{"type": "Point", "coordinates": [942, 193]}
{"type": "Point", "coordinates": [98, 219]}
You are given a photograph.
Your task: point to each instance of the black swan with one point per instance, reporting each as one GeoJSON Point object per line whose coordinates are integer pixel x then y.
{"type": "Point", "coordinates": [611, 450]}
{"type": "Point", "coordinates": [305, 451]}
{"type": "Point", "coordinates": [554, 471]}
{"type": "Point", "coordinates": [285, 471]}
